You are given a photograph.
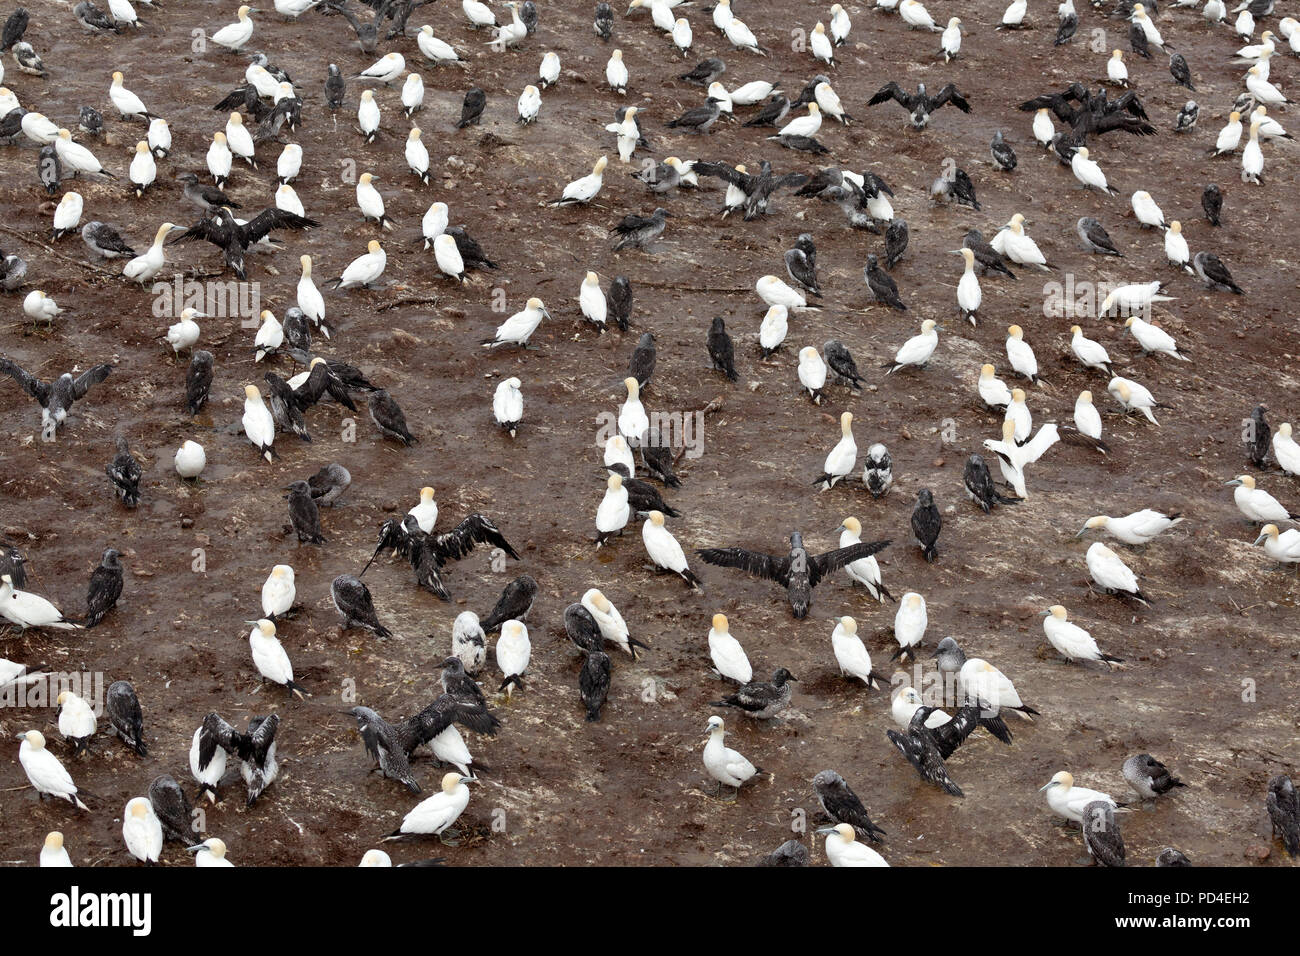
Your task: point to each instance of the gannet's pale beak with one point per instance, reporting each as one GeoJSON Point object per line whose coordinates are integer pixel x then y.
{"type": "Point", "coordinates": [1082, 532]}
{"type": "Point", "coordinates": [469, 779]}
{"type": "Point", "coordinates": [1050, 783]}
{"type": "Point", "coordinates": [1044, 613]}
{"type": "Point", "coordinates": [840, 528]}
{"type": "Point", "coordinates": [195, 849]}
{"type": "Point", "coordinates": [1261, 539]}
{"type": "Point", "coordinates": [826, 830]}
{"type": "Point", "coordinates": [1235, 481]}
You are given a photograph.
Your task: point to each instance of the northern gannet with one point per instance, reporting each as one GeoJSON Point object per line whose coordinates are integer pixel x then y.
{"type": "Point", "coordinates": [1151, 337]}
{"type": "Point", "coordinates": [190, 459]}
{"type": "Point", "coordinates": [1020, 354]}
{"type": "Point", "coordinates": [1214, 274]}
{"type": "Point", "coordinates": [1257, 504]}
{"type": "Point", "coordinates": [584, 189]}
{"type": "Point", "coordinates": [729, 658]}
{"type": "Point", "coordinates": [910, 621]}
{"type": "Point", "coordinates": [1284, 547]}
{"type": "Point", "coordinates": [820, 46]}
{"type": "Point", "coordinates": [235, 35]}
{"type": "Point", "coordinates": [980, 487]}
{"type": "Point", "coordinates": [1134, 397]}
{"type": "Point", "coordinates": [1252, 157]}
{"type": "Point", "coordinates": [774, 291]}
{"type": "Point", "coordinates": [1132, 298]}
{"type": "Point", "coordinates": [1112, 575]}
{"type": "Point", "coordinates": [969, 296]}
{"type": "Point", "coordinates": [723, 764]}
{"type": "Point", "coordinates": [76, 721]}
{"type": "Point", "coordinates": [851, 654]}
{"type": "Point", "coordinates": [1148, 777]}
{"type": "Point", "coordinates": [1138, 528]}
{"type": "Point", "coordinates": [1089, 173]}
{"type": "Point", "coordinates": [1090, 353]}
{"type": "Point", "coordinates": [915, 351]}
{"type": "Point", "coordinates": [664, 550]}
{"type": "Point", "coordinates": [104, 589]}
{"type": "Point", "coordinates": [141, 831]}
{"type": "Point", "coordinates": [866, 571]}
{"type": "Point", "coordinates": [513, 650]}
{"type": "Point", "coordinates": [841, 847]}
{"type": "Point", "coordinates": [992, 390]}
{"type": "Point", "coordinates": [53, 852]}
{"type": "Point", "coordinates": [926, 524]}
{"type": "Point", "coordinates": [1067, 800]}
{"type": "Point", "coordinates": [212, 851]}
{"type": "Point", "coordinates": [878, 470]}
{"type": "Point", "coordinates": [278, 592]}
{"type": "Point", "coordinates": [610, 622]}
{"type": "Point", "coordinates": [742, 37]}
{"type": "Point", "coordinates": [44, 771]}
{"type": "Point", "coordinates": [1116, 71]}
{"type": "Point", "coordinates": [1283, 805]}
{"type": "Point", "coordinates": [1071, 640]}
{"type": "Point", "coordinates": [919, 105]}
{"type": "Point", "coordinates": [1146, 211]}
{"type": "Point", "coordinates": [616, 74]}
{"type": "Point", "coordinates": [905, 704]}
{"type": "Point", "coordinates": [270, 658]}
{"type": "Point", "coordinates": [436, 50]}
{"type": "Point", "coordinates": [1229, 137]}
{"type": "Point", "coordinates": [915, 15]}
{"type": "Point", "coordinates": [843, 458]}
{"type": "Point", "coordinates": [613, 513]}
{"type": "Point", "coordinates": [950, 41]}
{"type": "Point", "coordinates": [25, 609]}
{"type": "Point", "coordinates": [436, 814]}
{"type": "Point", "coordinates": [368, 115]}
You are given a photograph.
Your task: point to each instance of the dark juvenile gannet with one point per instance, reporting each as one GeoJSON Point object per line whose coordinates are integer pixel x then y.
{"type": "Point", "coordinates": [1214, 273]}
{"type": "Point", "coordinates": [125, 472]}
{"type": "Point", "coordinates": [328, 484]}
{"type": "Point", "coordinates": [762, 699]}
{"type": "Point", "coordinates": [355, 606]}
{"type": "Point", "coordinates": [1095, 238]}
{"type": "Point", "coordinates": [1101, 833]}
{"type": "Point", "coordinates": [642, 496]}
{"type": "Point", "coordinates": [384, 745]}
{"type": "Point", "coordinates": [882, 286]}
{"type": "Point", "coordinates": [1283, 805]}
{"type": "Point", "coordinates": [840, 361]}
{"type": "Point", "coordinates": [1172, 857]}
{"type": "Point", "coordinates": [842, 805]}
{"type": "Point", "coordinates": [986, 257]}
{"type": "Point", "coordinates": [105, 241]}
{"type": "Point", "coordinates": [798, 572]}
{"type": "Point", "coordinates": [122, 707]}
{"type": "Point", "coordinates": [722, 353]}
{"type": "Point", "coordinates": [896, 236]}
{"type": "Point", "coordinates": [926, 748]}
{"type": "Point", "coordinates": [233, 239]}
{"type": "Point", "coordinates": [637, 232]}
{"type": "Point", "coordinates": [1258, 437]}
{"type": "Point", "coordinates": [594, 680]}
{"type": "Point", "coordinates": [471, 111]}
{"type": "Point", "coordinates": [918, 104]}
{"type": "Point", "coordinates": [389, 418]}
{"type": "Point", "coordinates": [641, 366]}
{"type": "Point", "coordinates": [926, 524]}
{"type": "Point", "coordinates": [1149, 777]}
{"type": "Point", "coordinates": [979, 485]}
{"type": "Point", "coordinates": [172, 808]}
{"type": "Point", "coordinates": [104, 589]}
{"type": "Point", "coordinates": [801, 264]}
{"type": "Point", "coordinates": [705, 72]}
{"type": "Point", "coordinates": [756, 189]}
{"type": "Point", "coordinates": [878, 470]}
{"type": "Point", "coordinates": [304, 515]}
{"type": "Point", "coordinates": [789, 853]}
{"type": "Point", "coordinates": [55, 398]}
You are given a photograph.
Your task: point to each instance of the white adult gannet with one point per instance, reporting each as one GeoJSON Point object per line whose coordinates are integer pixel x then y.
{"type": "Point", "coordinates": [67, 220]}
{"type": "Point", "coordinates": [368, 115]}
{"type": "Point", "coordinates": [240, 140]}
{"type": "Point", "coordinates": [39, 129]}
{"type": "Point", "coordinates": [828, 101]}
{"type": "Point", "coordinates": [729, 658]}
{"type": "Point", "coordinates": [591, 300]}
{"type": "Point", "coordinates": [804, 125]}
{"type": "Point", "coordinates": [212, 851]}
{"type": "Point", "coordinates": [1014, 15]}
{"type": "Point", "coordinates": [866, 571]}
{"type": "Point", "coordinates": [1138, 528]}
{"type": "Point", "coordinates": [979, 680]}
{"type": "Point", "coordinates": [513, 652]}
{"type": "Point", "coordinates": [1111, 574]}
{"type": "Point", "coordinates": [435, 49]}
{"type": "Point", "coordinates": [184, 334]}
{"type": "Point", "coordinates": [39, 307]}
{"type": "Point", "coordinates": [628, 133]}
{"type": "Point", "coordinates": [723, 764]}
{"type": "Point", "coordinates": [1012, 242]}
{"type": "Point", "coordinates": [916, 16]}
{"type": "Point", "coordinates": [141, 830]}
{"type": "Point", "coordinates": [1262, 90]}
{"type": "Point", "coordinates": [1229, 136]}
{"type": "Point", "coordinates": [1269, 128]}
{"type": "Point", "coordinates": [1013, 457]}
{"type": "Point", "coordinates": [917, 350]}
{"type": "Point", "coordinates": [772, 330]}
{"type": "Point", "coordinates": [1020, 354]}
{"type": "Point", "coordinates": [1146, 211]}
{"type": "Point", "coordinates": [426, 512]}
{"type": "Point", "coordinates": [219, 159]}
{"type": "Point", "coordinates": [1044, 130]}
{"type": "Point", "coordinates": [905, 704]}
{"type": "Point", "coordinates": [1090, 353]}
{"type": "Point", "coordinates": [1176, 250]}
{"type": "Point", "coordinates": [664, 550]}
{"type": "Point", "coordinates": [447, 255]}
{"type": "Point", "coordinates": [1133, 397]}
{"type": "Point", "coordinates": [820, 46]}
{"type": "Point", "coordinates": [755, 91]}
{"type": "Point", "coordinates": [775, 291]}
{"type": "Point", "coordinates": [43, 769]}
{"type": "Point", "coordinates": [843, 458]}
{"type": "Point", "coordinates": [417, 155]}
{"type": "Point", "coordinates": [840, 24]}
{"type": "Point", "coordinates": [607, 617]}
{"type": "Point", "coordinates": [616, 74]}
{"type": "Point", "coordinates": [384, 70]}
{"type": "Point", "coordinates": [1018, 414]}
{"type": "Point", "coordinates": [992, 390]}
{"type": "Point", "coordinates": [529, 105]}
{"type": "Point", "coordinates": [76, 157]}
{"type": "Point", "coordinates": [128, 105]}
{"type": "Point", "coordinates": [190, 459]}
{"type": "Point", "coordinates": [617, 453]}
{"type": "Point", "coordinates": [969, 296]}
{"type": "Point", "coordinates": [812, 372]}
{"type": "Point", "coordinates": [851, 654]}
{"type": "Point", "coordinates": [585, 188]}
{"type": "Point", "coordinates": [309, 298]}
{"type": "Point", "coordinates": [1285, 450]}
{"type": "Point", "coordinates": [1088, 172]}
{"type": "Point", "coordinates": [278, 592]}
{"type": "Point", "coordinates": [259, 426]}
{"type": "Point", "coordinates": [270, 336]}
{"type": "Point", "coordinates": [1152, 338]}
{"type": "Point", "coordinates": [1116, 71]}
{"type": "Point", "coordinates": [436, 814]}
{"type": "Point", "coordinates": [742, 37]}
{"type": "Point", "coordinates": [270, 658]}
{"type": "Point", "coordinates": [1086, 417]}
{"type": "Point", "coordinates": [370, 202]}
{"type": "Point", "coordinates": [681, 34]}
{"type": "Point", "coordinates": [25, 609]}
{"type": "Point", "coordinates": [53, 853]}
{"type": "Point", "coordinates": [143, 171]}
{"type": "Point", "coordinates": [842, 847]}
{"type": "Point", "coordinates": [910, 621]}
{"type": "Point", "coordinates": [548, 74]}
{"type": "Point", "coordinates": [478, 14]}
{"type": "Point", "coordinates": [1067, 800]}
{"type": "Point", "coordinates": [262, 80]}
{"type": "Point", "coordinates": [365, 269]}
{"type": "Point", "coordinates": [1215, 11]}
{"type": "Point", "coordinates": [1252, 157]}
{"type": "Point", "coordinates": [517, 329]}
{"type": "Point", "coordinates": [1284, 547]}
{"type": "Point", "coordinates": [633, 422]}
{"type": "Point", "coordinates": [434, 223]}
{"type": "Point", "coordinates": [950, 45]}
{"type": "Point", "coordinates": [76, 720]}
{"type": "Point", "coordinates": [233, 36]}
{"type": "Point", "coordinates": [508, 405]}
{"type": "Point", "coordinates": [1256, 503]}
{"type": "Point", "coordinates": [1073, 641]}
{"type": "Point", "coordinates": [1133, 298]}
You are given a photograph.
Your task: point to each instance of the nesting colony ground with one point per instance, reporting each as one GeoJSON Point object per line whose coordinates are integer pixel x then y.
{"type": "Point", "coordinates": [1211, 682]}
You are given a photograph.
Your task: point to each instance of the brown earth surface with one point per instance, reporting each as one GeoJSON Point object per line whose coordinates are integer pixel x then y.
{"type": "Point", "coordinates": [631, 789]}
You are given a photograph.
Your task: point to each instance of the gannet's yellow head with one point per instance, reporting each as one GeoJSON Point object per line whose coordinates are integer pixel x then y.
{"type": "Point", "coordinates": [373, 247]}
{"type": "Point", "coordinates": [657, 518]}
{"type": "Point", "coordinates": [720, 623]}
{"type": "Point", "coordinates": [852, 525]}
{"type": "Point", "coordinates": [251, 392]}
{"type": "Point", "coordinates": [849, 624]}
{"type": "Point", "coordinates": [54, 841]}
{"type": "Point", "coordinates": [1057, 611]}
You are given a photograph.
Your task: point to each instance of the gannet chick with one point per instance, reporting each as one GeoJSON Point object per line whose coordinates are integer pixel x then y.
{"type": "Point", "coordinates": [1256, 503]}
{"type": "Point", "coordinates": [26, 609]}
{"type": "Point", "coordinates": [53, 853]}
{"type": "Point", "coordinates": [1134, 397]}
{"type": "Point", "coordinates": [812, 375]}
{"type": "Point", "coordinates": [278, 592]}
{"type": "Point", "coordinates": [1073, 641]}
{"type": "Point", "coordinates": [664, 550]}
{"type": "Point", "coordinates": [1020, 354]}
{"type": "Point", "coordinates": [729, 658]}
{"type": "Point", "coordinates": [843, 458]}
{"type": "Point", "coordinates": [1067, 800]}
{"type": "Point", "coordinates": [235, 35]}
{"type": "Point", "coordinates": [1148, 777]}
{"type": "Point", "coordinates": [851, 654]}
{"type": "Point", "coordinates": [76, 721]}
{"type": "Point", "coordinates": [1283, 548]}
{"type": "Point", "coordinates": [1095, 238]}
{"type": "Point", "coordinates": [915, 351]}
{"type": "Point", "coordinates": [44, 771]}
{"type": "Point", "coordinates": [905, 704]}
{"type": "Point", "coordinates": [270, 659]}
{"type": "Point", "coordinates": [878, 470]}
{"type": "Point", "coordinates": [910, 622]}
{"type": "Point", "coordinates": [841, 847]}
{"type": "Point", "coordinates": [141, 831]}
{"type": "Point", "coordinates": [723, 764]}
{"type": "Point", "coordinates": [866, 571]}
{"type": "Point", "coordinates": [1101, 835]}
{"type": "Point", "coordinates": [1112, 575]}
{"type": "Point", "coordinates": [436, 814]}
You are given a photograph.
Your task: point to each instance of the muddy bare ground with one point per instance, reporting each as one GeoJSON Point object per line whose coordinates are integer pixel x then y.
{"type": "Point", "coordinates": [631, 789]}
